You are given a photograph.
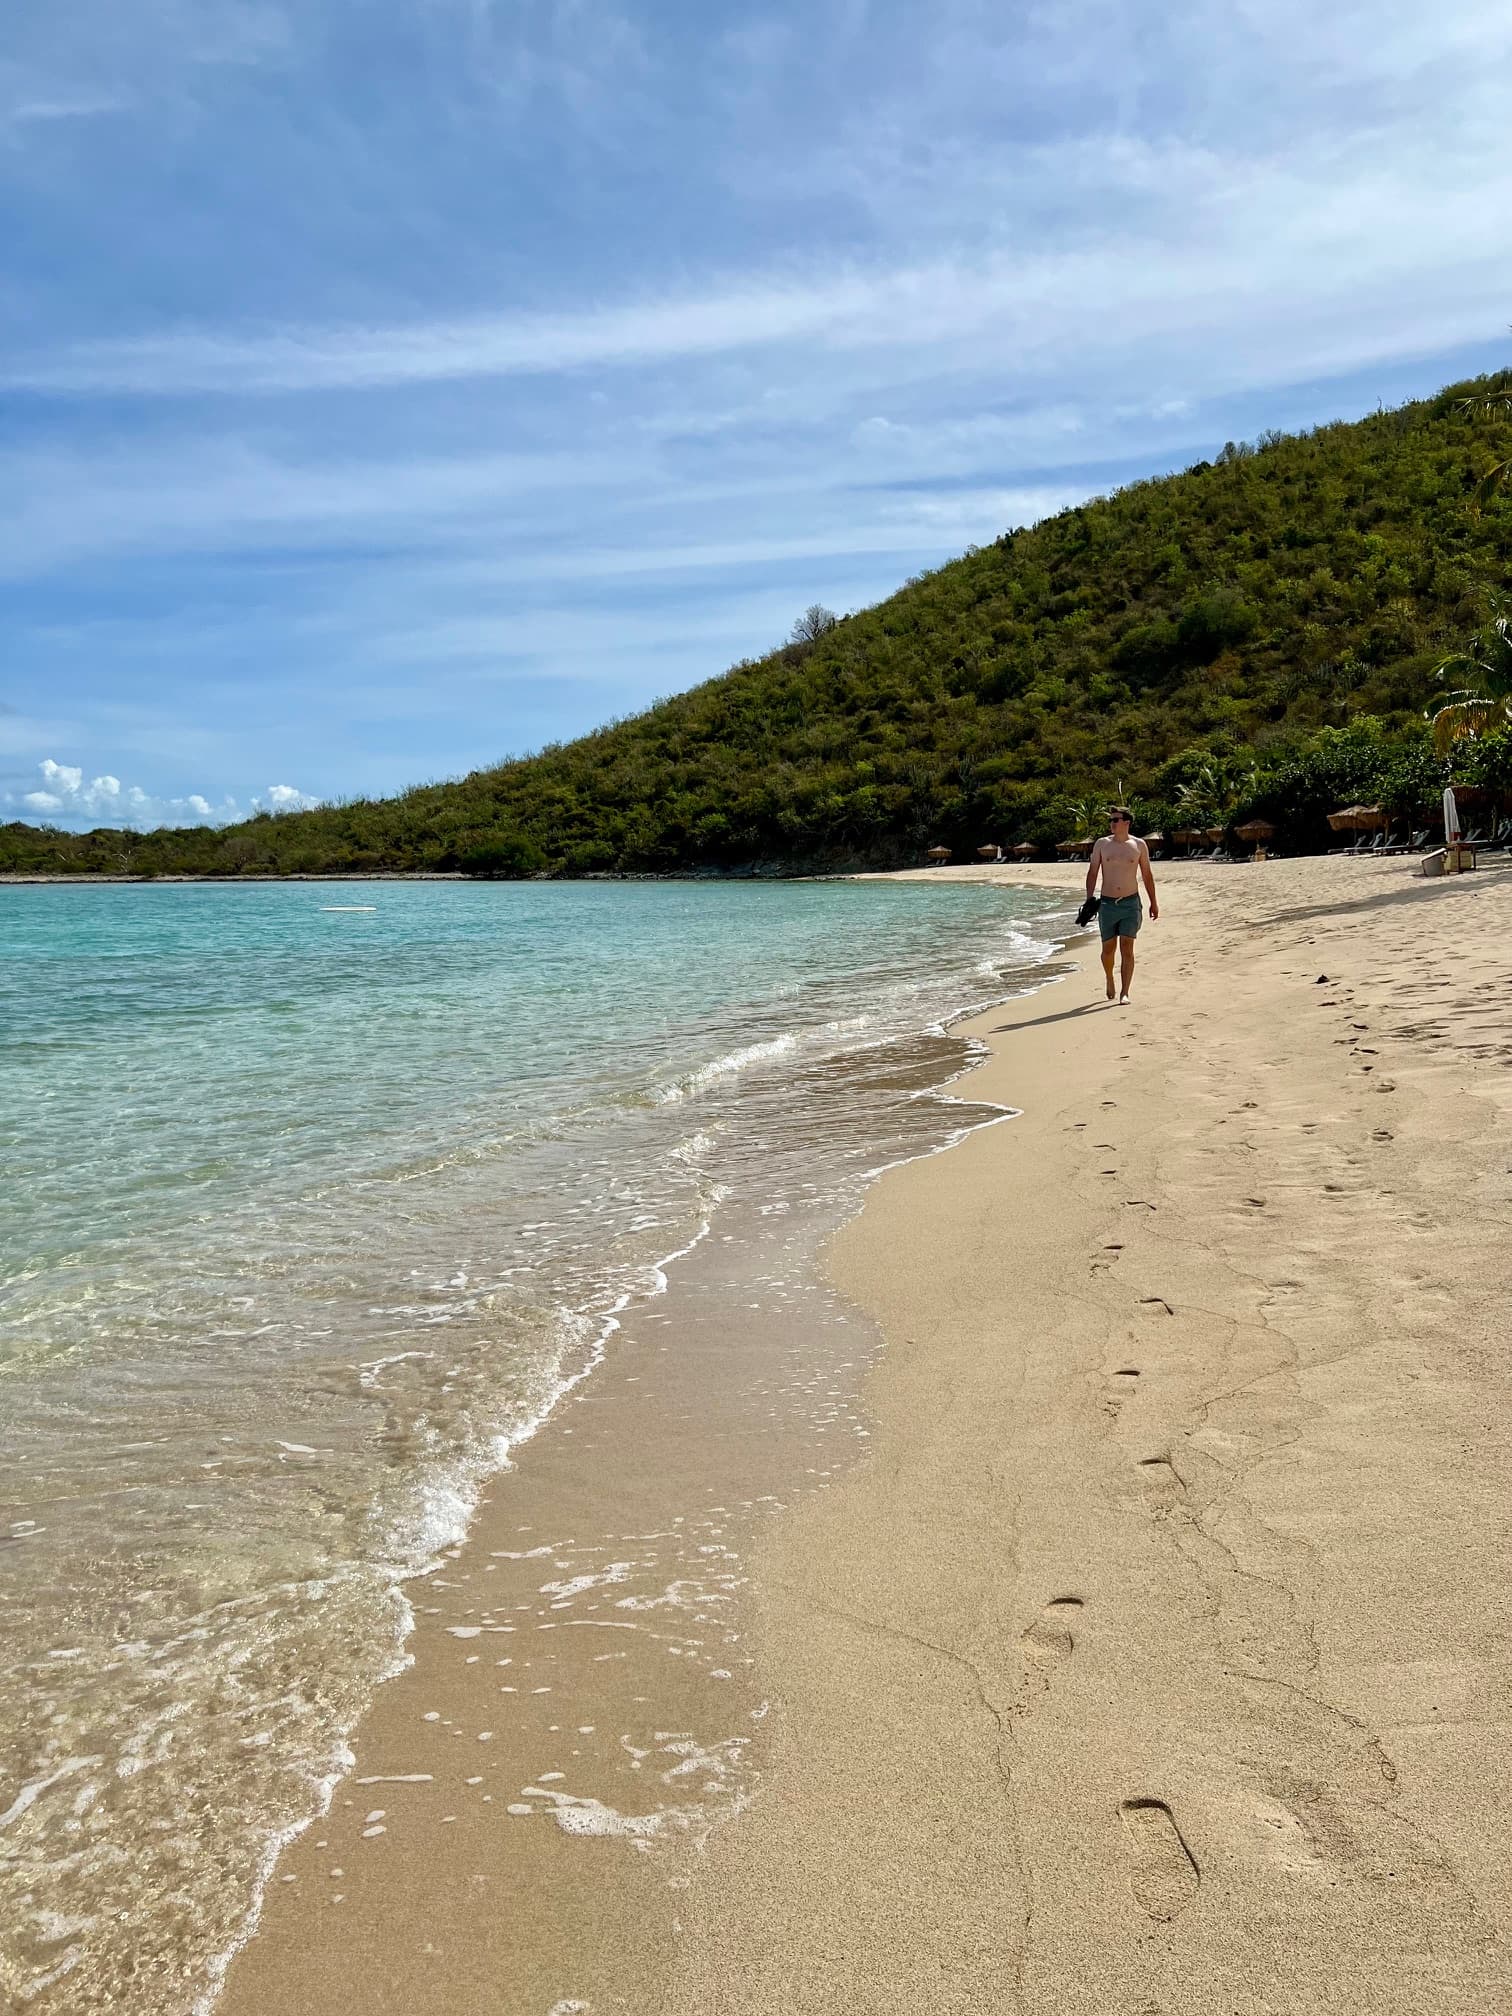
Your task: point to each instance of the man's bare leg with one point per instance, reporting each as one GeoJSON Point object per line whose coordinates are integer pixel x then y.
{"type": "Point", "coordinates": [1110, 946]}
{"type": "Point", "coordinates": [1125, 969]}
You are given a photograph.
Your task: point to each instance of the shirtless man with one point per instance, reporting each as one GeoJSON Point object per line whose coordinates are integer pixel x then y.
{"type": "Point", "coordinates": [1122, 861]}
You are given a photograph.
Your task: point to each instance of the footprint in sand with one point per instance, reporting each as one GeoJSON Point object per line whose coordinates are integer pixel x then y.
{"type": "Point", "coordinates": [1158, 1475]}
{"type": "Point", "coordinates": [1048, 1640]}
{"type": "Point", "coordinates": [1162, 1874]}
{"type": "Point", "coordinates": [1124, 1382]}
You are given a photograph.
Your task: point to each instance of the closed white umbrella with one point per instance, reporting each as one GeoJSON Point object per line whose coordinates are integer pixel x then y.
{"type": "Point", "coordinates": [1451, 819]}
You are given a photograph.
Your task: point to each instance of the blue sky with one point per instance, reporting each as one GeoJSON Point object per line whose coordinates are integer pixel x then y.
{"type": "Point", "coordinates": [385, 389]}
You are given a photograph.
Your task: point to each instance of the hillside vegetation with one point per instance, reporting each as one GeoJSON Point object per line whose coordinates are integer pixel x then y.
{"type": "Point", "coordinates": [1257, 634]}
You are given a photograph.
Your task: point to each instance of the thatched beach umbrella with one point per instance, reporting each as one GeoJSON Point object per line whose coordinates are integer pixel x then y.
{"type": "Point", "coordinates": [1214, 835]}
{"type": "Point", "coordinates": [1254, 833]}
{"type": "Point", "coordinates": [1071, 846]}
{"type": "Point", "coordinates": [938, 854]}
{"type": "Point", "coordinates": [1024, 849]}
{"type": "Point", "coordinates": [1358, 819]}
{"type": "Point", "coordinates": [1185, 836]}
{"type": "Point", "coordinates": [989, 853]}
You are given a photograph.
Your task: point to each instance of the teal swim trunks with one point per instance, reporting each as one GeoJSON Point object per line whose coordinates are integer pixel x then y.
{"type": "Point", "coordinates": [1120, 917]}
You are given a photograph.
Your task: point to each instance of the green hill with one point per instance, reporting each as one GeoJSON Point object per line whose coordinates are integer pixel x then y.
{"type": "Point", "coordinates": [1254, 634]}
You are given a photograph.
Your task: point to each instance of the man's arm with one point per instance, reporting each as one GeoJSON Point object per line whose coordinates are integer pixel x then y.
{"type": "Point", "coordinates": [1149, 878]}
{"type": "Point", "coordinates": [1094, 863]}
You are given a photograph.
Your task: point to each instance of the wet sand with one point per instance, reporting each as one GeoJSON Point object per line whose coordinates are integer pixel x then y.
{"type": "Point", "coordinates": [527, 1803]}
{"type": "Point", "coordinates": [1146, 1649]}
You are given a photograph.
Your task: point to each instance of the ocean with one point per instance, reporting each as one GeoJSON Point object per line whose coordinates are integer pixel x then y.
{"type": "Point", "coordinates": [317, 1199]}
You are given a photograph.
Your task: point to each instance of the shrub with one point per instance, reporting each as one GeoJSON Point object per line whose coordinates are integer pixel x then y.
{"type": "Point", "coordinates": [506, 860]}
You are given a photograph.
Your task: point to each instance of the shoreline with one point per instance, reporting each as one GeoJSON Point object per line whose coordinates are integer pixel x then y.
{"type": "Point", "coordinates": [385, 1425]}
{"type": "Point", "coordinates": [600, 1891]}
{"type": "Point", "coordinates": [234, 881]}
{"type": "Point", "coordinates": [1119, 1734]}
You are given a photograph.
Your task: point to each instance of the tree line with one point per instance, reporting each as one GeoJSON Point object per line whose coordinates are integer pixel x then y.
{"type": "Point", "coordinates": [1257, 635]}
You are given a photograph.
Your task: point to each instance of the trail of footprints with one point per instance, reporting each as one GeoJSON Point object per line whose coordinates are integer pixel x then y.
{"type": "Point", "coordinates": [1163, 1873]}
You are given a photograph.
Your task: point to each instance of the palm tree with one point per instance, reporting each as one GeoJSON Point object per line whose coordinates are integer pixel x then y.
{"type": "Point", "coordinates": [1495, 399]}
{"type": "Point", "coordinates": [1215, 792]}
{"type": "Point", "coordinates": [1482, 698]}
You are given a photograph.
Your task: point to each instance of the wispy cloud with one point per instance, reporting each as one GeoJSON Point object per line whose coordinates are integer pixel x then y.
{"type": "Point", "coordinates": [1342, 250]}
{"type": "Point", "coordinates": [198, 495]}
{"type": "Point", "coordinates": [44, 111]}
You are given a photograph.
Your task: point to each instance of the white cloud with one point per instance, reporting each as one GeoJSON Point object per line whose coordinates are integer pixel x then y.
{"type": "Point", "coordinates": [67, 779]}
{"type": "Point", "coordinates": [106, 801]}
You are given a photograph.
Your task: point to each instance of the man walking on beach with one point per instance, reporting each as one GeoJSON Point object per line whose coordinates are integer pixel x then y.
{"type": "Point", "coordinates": [1121, 860]}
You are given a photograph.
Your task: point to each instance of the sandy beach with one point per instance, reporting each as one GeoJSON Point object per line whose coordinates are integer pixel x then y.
{"type": "Point", "coordinates": [1143, 1645]}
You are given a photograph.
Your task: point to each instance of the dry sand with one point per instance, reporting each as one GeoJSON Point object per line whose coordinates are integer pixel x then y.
{"type": "Point", "coordinates": [1161, 1658]}
{"type": "Point", "coordinates": [1156, 1660]}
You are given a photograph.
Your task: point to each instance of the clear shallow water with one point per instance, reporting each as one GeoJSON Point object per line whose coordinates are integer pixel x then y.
{"type": "Point", "coordinates": [308, 1216]}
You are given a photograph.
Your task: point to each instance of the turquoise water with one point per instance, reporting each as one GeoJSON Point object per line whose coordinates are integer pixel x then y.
{"type": "Point", "coordinates": [311, 1213]}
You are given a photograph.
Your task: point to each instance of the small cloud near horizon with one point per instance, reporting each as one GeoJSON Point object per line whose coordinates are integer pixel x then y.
{"type": "Point", "coordinates": [65, 798]}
